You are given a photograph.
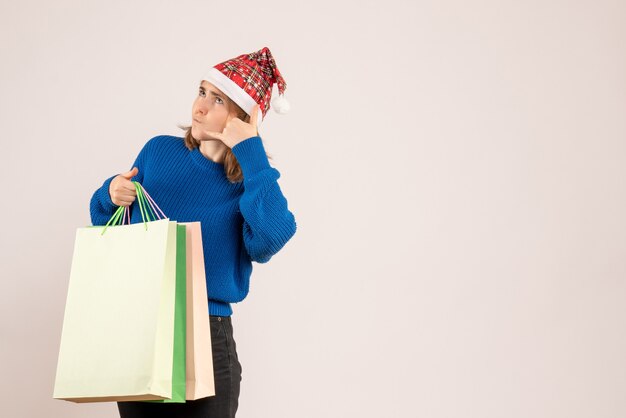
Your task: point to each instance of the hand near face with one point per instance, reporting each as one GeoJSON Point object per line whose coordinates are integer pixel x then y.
{"type": "Point", "coordinates": [237, 130]}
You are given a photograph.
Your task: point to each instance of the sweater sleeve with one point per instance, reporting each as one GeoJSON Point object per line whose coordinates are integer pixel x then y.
{"type": "Point", "coordinates": [268, 223]}
{"type": "Point", "coordinates": [101, 207]}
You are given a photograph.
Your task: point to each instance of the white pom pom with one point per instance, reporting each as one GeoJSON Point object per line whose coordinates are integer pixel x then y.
{"type": "Point", "coordinates": [280, 104]}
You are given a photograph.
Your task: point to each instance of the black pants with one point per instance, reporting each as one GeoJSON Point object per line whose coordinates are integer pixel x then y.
{"type": "Point", "coordinates": [227, 372]}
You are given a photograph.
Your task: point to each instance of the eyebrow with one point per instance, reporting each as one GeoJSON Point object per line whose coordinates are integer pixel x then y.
{"type": "Point", "coordinates": [212, 92]}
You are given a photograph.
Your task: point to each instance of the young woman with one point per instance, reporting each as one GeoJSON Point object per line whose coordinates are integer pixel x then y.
{"type": "Point", "coordinates": [218, 174]}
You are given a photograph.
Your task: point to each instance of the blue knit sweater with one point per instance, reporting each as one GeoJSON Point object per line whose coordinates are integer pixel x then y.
{"type": "Point", "coordinates": [241, 222]}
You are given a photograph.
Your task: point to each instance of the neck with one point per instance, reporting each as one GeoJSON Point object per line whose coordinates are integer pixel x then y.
{"type": "Point", "coordinates": [214, 150]}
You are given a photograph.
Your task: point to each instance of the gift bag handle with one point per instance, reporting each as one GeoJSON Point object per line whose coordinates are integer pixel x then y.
{"type": "Point", "coordinates": [147, 206]}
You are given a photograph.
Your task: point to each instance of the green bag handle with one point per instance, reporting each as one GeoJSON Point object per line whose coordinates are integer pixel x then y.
{"type": "Point", "coordinates": [147, 207]}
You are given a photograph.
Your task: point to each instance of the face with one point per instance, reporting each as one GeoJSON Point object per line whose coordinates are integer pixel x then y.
{"type": "Point", "coordinates": [210, 111]}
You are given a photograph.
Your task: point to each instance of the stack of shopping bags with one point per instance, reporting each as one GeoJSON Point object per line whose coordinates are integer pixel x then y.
{"type": "Point", "coordinates": [136, 324]}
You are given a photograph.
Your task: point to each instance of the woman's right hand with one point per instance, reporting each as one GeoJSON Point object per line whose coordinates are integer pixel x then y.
{"type": "Point", "coordinates": [122, 190]}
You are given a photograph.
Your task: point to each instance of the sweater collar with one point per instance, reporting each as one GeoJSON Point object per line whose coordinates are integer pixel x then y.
{"type": "Point", "coordinates": [204, 162]}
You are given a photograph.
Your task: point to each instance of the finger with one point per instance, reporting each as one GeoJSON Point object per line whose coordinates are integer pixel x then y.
{"type": "Point", "coordinates": [130, 174]}
{"type": "Point", "coordinates": [120, 198]}
{"type": "Point", "coordinates": [125, 188]}
{"type": "Point", "coordinates": [126, 194]}
{"type": "Point", "coordinates": [130, 186]}
{"type": "Point", "coordinates": [122, 202]}
{"type": "Point", "coordinates": [254, 116]}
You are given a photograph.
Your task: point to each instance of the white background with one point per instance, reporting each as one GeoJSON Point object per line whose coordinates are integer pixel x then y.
{"type": "Point", "coordinates": [456, 168]}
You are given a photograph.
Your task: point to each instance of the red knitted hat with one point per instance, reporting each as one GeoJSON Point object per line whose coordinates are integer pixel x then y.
{"type": "Point", "coordinates": [248, 80]}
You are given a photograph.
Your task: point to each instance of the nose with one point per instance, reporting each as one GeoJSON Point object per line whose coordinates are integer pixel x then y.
{"type": "Point", "coordinates": [201, 107]}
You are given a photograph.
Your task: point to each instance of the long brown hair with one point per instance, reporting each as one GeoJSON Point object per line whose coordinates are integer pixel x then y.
{"type": "Point", "coordinates": [232, 169]}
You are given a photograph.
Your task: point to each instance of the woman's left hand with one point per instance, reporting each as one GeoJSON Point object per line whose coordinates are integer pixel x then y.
{"type": "Point", "coordinates": [237, 130]}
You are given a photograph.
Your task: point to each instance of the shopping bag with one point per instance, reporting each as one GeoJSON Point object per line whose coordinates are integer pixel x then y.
{"type": "Point", "coordinates": [180, 322]}
{"type": "Point", "coordinates": [197, 381]}
{"type": "Point", "coordinates": [198, 349]}
{"type": "Point", "coordinates": [196, 361]}
{"type": "Point", "coordinates": [118, 332]}
{"type": "Point", "coordinates": [200, 378]}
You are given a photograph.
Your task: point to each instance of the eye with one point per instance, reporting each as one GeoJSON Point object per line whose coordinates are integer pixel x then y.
{"type": "Point", "coordinates": [202, 93]}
